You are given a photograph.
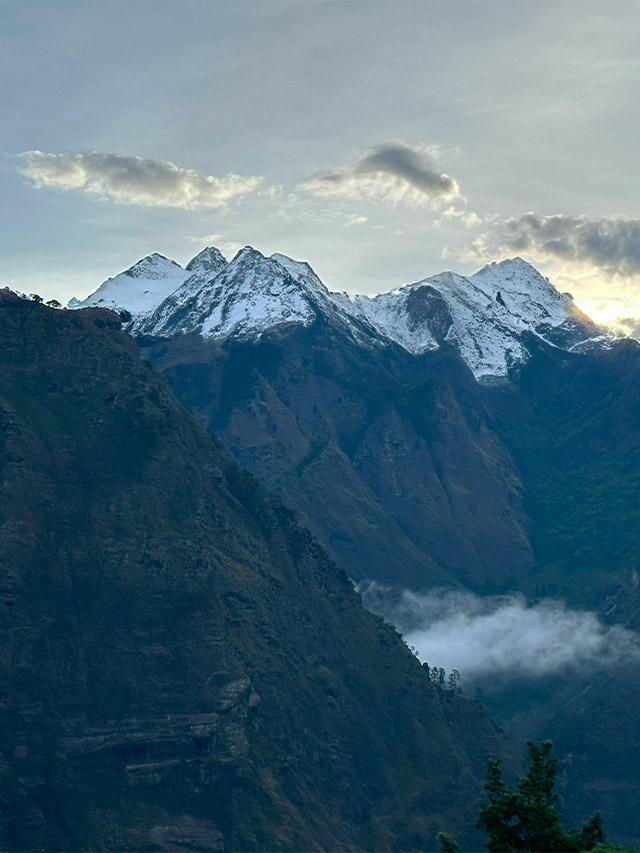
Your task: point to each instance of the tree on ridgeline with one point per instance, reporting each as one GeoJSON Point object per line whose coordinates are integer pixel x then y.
{"type": "Point", "coordinates": [454, 678]}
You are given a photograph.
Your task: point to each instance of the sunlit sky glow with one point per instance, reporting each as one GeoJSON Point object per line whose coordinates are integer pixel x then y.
{"type": "Point", "coordinates": [380, 141]}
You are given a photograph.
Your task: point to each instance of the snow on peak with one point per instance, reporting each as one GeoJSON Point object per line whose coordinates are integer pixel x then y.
{"type": "Point", "coordinates": [485, 316]}
{"type": "Point", "coordinates": [247, 296]}
{"type": "Point", "coordinates": [154, 266]}
{"type": "Point", "coordinates": [208, 260]}
{"type": "Point", "coordinates": [138, 289]}
{"type": "Point", "coordinates": [524, 291]}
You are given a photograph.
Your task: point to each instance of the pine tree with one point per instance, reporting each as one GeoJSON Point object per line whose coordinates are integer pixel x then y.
{"type": "Point", "coordinates": [526, 819]}
{"type": "Point", "coordinates": [454, 678]}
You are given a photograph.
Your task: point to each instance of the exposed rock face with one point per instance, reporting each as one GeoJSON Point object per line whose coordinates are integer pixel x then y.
{"type": "Point", "coordinates": [182, 667]}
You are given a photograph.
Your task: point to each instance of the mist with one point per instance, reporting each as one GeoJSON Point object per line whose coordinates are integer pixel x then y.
{"type": "Point", "coordinates": [501, 635]}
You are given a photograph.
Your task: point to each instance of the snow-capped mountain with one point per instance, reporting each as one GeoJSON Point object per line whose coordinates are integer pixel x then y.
{"type": "Point", "coordinates": [485, 316]}
{"type": "Point", "coordinates": [169, 314]}
{"type": "Point", "coordinates": [139, 289]}
{"type": "Point", "coordinates": [248, 296]}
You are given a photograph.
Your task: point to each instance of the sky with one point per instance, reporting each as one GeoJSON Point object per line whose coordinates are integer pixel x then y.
{"type": "Point", "coordinates": [382, 142]}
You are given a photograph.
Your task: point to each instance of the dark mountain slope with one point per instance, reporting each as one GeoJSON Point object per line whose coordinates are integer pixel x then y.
{"type": "Point", "coordinates": [182, 667]}
{"type": "Point", "coordinates": [572, 423]}
{"type": "Point", "coordinates": [390, 458]}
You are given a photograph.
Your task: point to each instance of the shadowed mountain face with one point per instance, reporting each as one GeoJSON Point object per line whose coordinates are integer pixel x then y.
{"type": "Point", "coordinates": [411, 472]}
{"type": "Point", "coordinates": [366, 415]}
{"type": "Point", "coordinates": [182, 667]}
{"type": "Point", "coordinates": [572, 424]}
{"type": "Point", "coordinates": [390, 459]}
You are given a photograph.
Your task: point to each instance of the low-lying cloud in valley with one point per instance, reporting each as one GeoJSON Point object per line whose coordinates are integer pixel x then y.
{"type": "Point", "coordinates": [392, 172]}
{"type": "Point", "coordinates": [501, 635]}
{"type": "Point", "coordinates": [131, 180]}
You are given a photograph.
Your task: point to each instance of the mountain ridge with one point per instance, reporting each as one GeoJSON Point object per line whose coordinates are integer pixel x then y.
{"type": "Point", "coordinates": [485, 316]}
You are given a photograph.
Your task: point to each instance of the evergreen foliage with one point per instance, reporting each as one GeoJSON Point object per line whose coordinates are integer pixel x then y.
{"type": "Point", "coordinates": [526, 819]}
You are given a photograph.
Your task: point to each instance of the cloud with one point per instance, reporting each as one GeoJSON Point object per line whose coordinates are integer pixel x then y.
{"type": "Point", "coordinates": [467, 217]}
{"type": "Point", "coordinates": [206, 239]}
{"type": "Point", "coordinates": [134, 180]}
{"type": "Point", "coordinates": [629, 326]}
{"type": "Point", "coordinates": [356, 220]}
{"type": "Point", "coordinates": [501, 635]}
{"type": "Point", "coordinates": [391, 172]}
{"type": "Point", "coordinates": [608, 245]}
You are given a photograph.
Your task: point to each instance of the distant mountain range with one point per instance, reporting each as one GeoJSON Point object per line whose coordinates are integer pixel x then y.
{"type": "Point", "coordinates": [381, 420]}
{"type": "Point", "coordinates": [485, 316]}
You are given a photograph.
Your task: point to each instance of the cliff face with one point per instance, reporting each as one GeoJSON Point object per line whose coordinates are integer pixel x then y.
{"type": "Point", "coordinates": [411, 472]}
{"type": "Point", "coordinates": [182, 667]}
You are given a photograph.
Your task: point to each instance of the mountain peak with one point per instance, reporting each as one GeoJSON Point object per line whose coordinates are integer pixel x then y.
{"type": "Point", "coordinates": [137, 289]}
{"type": "Point", "coordinates": [512, 263]}
{"type": "Point", "coordinates": [297, 269]}
{"type": "Point", "coordinates": [206, 260]}
{"type": "Point", "coordinates": [523, 281]}
{"type": "Point", "coordinates": [153, 266]}
{"type": "Point", "coordinates": [485, 315]}
{"type": "Point", "coordinates": [247, 253]}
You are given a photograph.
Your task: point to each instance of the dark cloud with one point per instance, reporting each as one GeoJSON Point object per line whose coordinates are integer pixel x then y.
{"type": "Point", "coordinates": [610, 245]}
{"type": "Point", "coordinates": [134, 180]}
{"type": "Point", "coordinates": [392, 171]}
{"type": "Point", "coordinates": [409, 166]}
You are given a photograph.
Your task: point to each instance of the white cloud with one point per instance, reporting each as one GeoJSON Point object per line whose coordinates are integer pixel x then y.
{"type": "Point", "coordinates": [132, 180]}
{"type": "Point", "coordinates": [497, 635]}
{"type": "Point", "coordinates": [467, 217]}
{"type": "Point", "coordinates": [356, 220]}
